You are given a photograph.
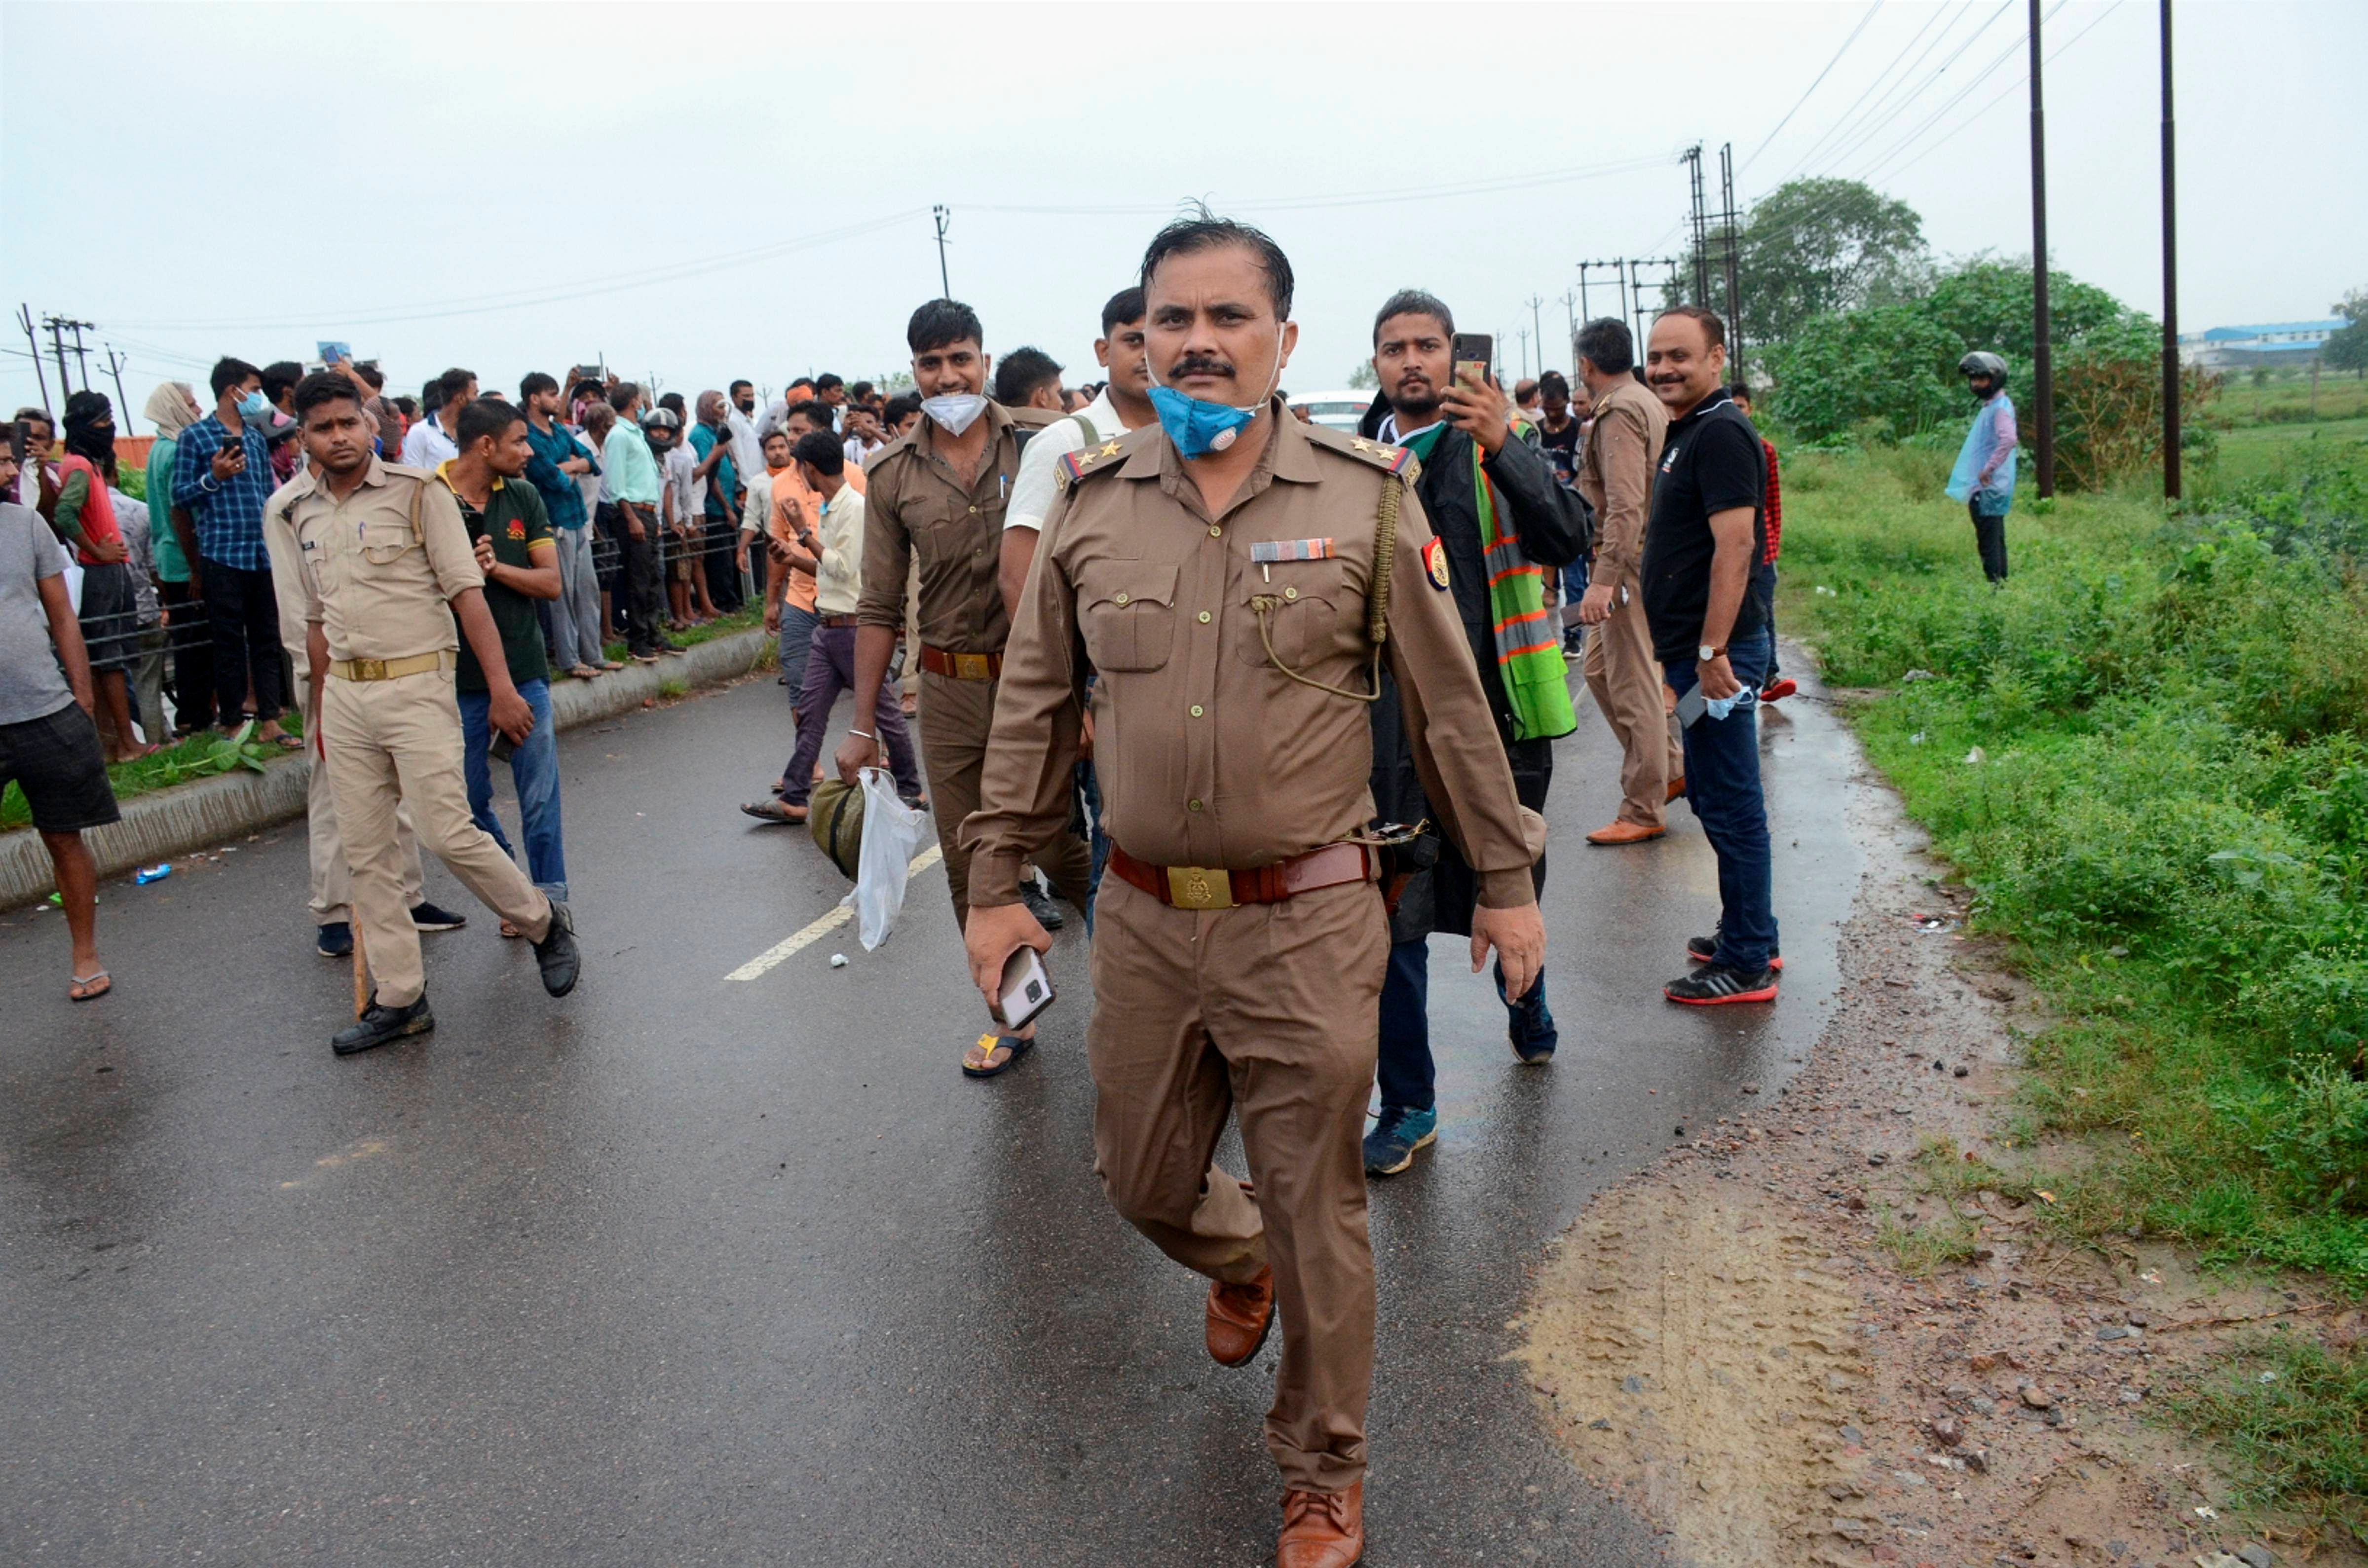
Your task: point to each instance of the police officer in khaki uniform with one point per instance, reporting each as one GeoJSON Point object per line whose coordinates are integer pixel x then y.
{"type": "Point", "coordinates": [935, 499]}
{"type": "Point", "coordinates": [1224, 575]}
{"type": "Point", "coordinates": [378, 558]}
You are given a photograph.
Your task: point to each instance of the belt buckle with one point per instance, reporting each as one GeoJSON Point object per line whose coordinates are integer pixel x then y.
{"type": "Point", "coordinates": [1199, 886]}
{"type": "Point", "coordinates": [370, 669]}
{"type": "Point", "coordinates": [973, 666]}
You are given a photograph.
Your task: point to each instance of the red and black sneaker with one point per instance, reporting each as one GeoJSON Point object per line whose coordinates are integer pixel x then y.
{"type": "Point", "coordinates": [1779, 688]}
{"type": "Point", "coordinates": [1701, 950]}
{"type": "Point", "coordinates": [1714, 984]}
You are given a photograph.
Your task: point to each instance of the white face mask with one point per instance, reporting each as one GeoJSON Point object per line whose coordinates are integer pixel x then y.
{"type": "Point", "coordinates": [954, 412]}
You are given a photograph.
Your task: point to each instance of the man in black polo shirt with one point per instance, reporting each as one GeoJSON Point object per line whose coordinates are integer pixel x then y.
{"type": "Point", "coordinates": [511, 534]}
{"type": "Point", "coordinates": [1712, 637]}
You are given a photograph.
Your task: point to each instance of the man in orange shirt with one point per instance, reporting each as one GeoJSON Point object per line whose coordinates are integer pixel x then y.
{"type": "Point", "coordinates": [789, 580]}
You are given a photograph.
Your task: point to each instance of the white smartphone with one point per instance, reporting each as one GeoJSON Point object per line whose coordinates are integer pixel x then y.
{"type": "Point", "coordinates": [1027, 989]}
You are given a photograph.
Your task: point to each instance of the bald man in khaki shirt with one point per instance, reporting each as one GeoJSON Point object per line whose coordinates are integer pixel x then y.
{"type": "Point", "coordinates": [1240, 935]}
{"type": "Point", "coordinates": [379, 562]}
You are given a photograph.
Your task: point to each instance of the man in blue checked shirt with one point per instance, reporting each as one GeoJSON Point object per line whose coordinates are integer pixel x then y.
{"type": "Point", "coordinates": [221, 477]}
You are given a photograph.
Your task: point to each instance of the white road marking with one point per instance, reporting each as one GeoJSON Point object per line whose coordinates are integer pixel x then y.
{"type": "Point", "coordinates": [772, 957]}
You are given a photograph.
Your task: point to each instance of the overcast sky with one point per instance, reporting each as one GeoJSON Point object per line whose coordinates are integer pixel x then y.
{"type": "Point", "coordinates": [497, 186]}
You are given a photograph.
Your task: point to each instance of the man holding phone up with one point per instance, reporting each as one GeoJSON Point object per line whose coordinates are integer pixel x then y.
{"type": "Point", "coordinates": [1711, 635]}
{"type": "Point", "coordinates": [1238, 579]}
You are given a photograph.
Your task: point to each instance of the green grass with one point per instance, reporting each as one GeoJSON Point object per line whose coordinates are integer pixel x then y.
{"type": "Point", "coordinates": [2295, 1413]}
{"type": "Point", "coordinates": [2169, 824]}
{"type": "Point", "coordinates": [200, 756]}
{"type": "Point", "coordinates": [692, 636]}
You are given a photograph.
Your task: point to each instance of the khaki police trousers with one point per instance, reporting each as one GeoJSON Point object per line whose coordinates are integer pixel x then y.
{"type": "Point", "coordinates": [1269, 1011]}
{"type": "Point", "coordinates": [1626, 680]}
{"type": "Point", "coordinates": [393, 744]}
{"type": "Point", "coordinates": [955, 718]}
{"type": "Point", "coordinates": [332, 884]}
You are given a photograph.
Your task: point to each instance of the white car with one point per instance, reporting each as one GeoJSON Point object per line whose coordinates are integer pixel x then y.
{"type": "Point", "coordinates": [1341, 410]}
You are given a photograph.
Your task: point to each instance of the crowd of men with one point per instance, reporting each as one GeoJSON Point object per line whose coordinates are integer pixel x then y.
{"type": "Point", "coordinates": [1266, 704]}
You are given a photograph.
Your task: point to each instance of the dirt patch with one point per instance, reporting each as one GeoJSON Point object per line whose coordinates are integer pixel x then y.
{"type": "Point", "coordinates": [1827, 1334]}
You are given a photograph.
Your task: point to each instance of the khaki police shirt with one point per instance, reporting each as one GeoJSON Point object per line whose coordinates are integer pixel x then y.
{"type": "Point", "coordinates": [916, 507]}
{"type": "Point", "coordinates": [378, 589]}
{"type": "Point", "coordinates": [1615, 475]}
{"type": "Point", "coordinates": [1207, 754]}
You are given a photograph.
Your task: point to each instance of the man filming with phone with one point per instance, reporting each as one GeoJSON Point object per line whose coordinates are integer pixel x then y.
{"type": "Point", "coordinates": [1501, 515]}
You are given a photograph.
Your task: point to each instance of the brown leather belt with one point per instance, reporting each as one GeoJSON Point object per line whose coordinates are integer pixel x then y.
{"type": "Point", "coordinates": [960, 666]}
{"type": "Point", "coordinates": [1202, 887]}
{"type": "Point", "coordinates": [393, 669]}
{"type": "Point", "coordinates": [837, 620]}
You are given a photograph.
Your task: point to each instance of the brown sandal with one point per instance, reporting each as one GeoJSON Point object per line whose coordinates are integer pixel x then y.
{"type": "Point", "coordinates": [775, 810]}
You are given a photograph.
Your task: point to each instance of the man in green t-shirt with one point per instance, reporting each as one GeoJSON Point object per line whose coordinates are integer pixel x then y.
{"type": "Point", "coordinates": [511, 533]}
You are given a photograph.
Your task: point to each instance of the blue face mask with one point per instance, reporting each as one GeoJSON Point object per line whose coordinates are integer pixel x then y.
{"type": "Point", "coordinates": [1198, 428]}
{"type": "Point", "coordinates": [253, 404]}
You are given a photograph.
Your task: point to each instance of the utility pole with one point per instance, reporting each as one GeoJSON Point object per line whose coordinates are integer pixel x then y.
{"type": "Point", "coordinates": [1697, 216]}
{"type": "Point", "coordinates": [1523, 334]}
{"type": "Point", "coordinates": [25, 320]}
{"type": "Point", "coordinates": [1637, 285]}
{"type": "Point", "coordinates": [942, 216]}
{"type": "Point", "coordinates": [2170, 454]}
{"type": "Point", "coordinates": [1537, 303]}
{"type": "Point", "coordinates": [1570, 308]}
{"type": "Point", "coordinates": [1734, 287]}
{"type": "Point", "coordinates": [2042, 357]}
{"type": "Point", "coordinates": [122, 404]}
{"type": "Point", "coordinates": [81, 363]}
{"type": "Point", "coordinates": [58, 348]}
{"type": "Point", "coordinates": [1619, 266]}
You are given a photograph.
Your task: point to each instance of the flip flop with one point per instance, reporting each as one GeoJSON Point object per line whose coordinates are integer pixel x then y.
{"type": "Point", "coordinates": [612, 663]}
{"type": "Point", "coordinates": [775, 810]}
{"type": "Point", "coordinates": [81, 991]}
{"type": "Point", "coordinates": [288, 743]}
{"type": "Point", "coordinates": [992, 1042]}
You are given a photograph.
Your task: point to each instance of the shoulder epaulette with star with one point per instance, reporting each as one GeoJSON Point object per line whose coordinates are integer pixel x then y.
{"type": "Point", "coordinates": [1381, 454]}
{"type": "Point", "coordinates": [1101, 457]}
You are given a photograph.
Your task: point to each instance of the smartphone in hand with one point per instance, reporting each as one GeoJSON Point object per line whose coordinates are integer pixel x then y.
{"type": "Point", "coordinates": [1026, 990]}
{"type": "Point", "coordinates": [1474, 353]}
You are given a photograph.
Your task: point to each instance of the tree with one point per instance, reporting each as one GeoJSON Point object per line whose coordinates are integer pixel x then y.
{"type": "Point", "coordinates": [2348, 349]}
{"type": "Point", "coordinates": [1988, 303]}
{"type": "Point", "coordinates": [1362, 378]}
{"type": "Point", "coordinates": [1885, 369]}
{"type": "Point", "coordinates": [1814, 246]}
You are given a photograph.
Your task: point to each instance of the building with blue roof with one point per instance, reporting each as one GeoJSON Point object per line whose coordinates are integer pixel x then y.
{"type": "Point", "coordinates": [2271, 343]}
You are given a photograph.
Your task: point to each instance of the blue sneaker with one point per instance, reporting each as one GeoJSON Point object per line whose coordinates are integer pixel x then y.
{"type": "Point", "coordinates": [1529, 1023]}
{"type": "Point", "coordinates": [1390, 1146]}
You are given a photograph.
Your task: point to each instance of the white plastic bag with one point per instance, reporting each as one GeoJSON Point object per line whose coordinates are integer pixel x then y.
{"type": "Point", "coordinates": [891, 831]}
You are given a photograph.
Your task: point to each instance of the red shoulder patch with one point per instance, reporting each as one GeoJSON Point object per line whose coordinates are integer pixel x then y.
{"type": "Point", "coordinates": [1434, 562]}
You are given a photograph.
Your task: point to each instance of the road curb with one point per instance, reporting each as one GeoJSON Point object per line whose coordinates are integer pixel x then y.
{"type": "Point", "coordinates": [165, 822]}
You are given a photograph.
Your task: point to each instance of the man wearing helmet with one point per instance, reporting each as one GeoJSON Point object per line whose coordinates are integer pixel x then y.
{"type": "Point", "coordinates": [1984, 477]}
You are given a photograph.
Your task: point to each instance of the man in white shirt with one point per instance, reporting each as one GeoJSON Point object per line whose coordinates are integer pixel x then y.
{"type": "Point", "coordinates": [830, 661]}
{"type": "Point", "coordinates": [1123, 406]}
{"type": "Point", "coordinates": [429, 443]}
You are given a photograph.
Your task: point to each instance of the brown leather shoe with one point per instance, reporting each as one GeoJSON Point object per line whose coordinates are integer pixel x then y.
{"type": "Point", "coordinates": [1677, 787]}
{"type": "Point", "coordinates": [1239, 1318]}
{"type": "Point", "coordinates": [1322, 1529]}
{"type": "Point", "coordinates": [1625, 832]}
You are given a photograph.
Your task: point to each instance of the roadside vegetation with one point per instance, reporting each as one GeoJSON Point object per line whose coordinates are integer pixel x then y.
{"type": "Point", "coordinates": [2149, 755]}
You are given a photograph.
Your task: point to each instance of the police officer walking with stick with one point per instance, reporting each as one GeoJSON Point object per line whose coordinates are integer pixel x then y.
{"type": "Point", "coordinates": [1238, 580]}
{"type": "Point", "coordinates": [380, 559]}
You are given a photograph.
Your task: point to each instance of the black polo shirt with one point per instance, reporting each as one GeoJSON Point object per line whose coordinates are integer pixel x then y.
{"type": "Point", "coordinates": [1711, 461]}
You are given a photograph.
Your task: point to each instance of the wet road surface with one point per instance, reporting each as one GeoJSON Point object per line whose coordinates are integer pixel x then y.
{"type": "Point", "coordinates": [689, 1270]}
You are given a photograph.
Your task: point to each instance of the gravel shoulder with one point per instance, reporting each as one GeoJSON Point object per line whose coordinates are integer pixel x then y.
{"type": "Point", "coordinates": [1806, 1337]}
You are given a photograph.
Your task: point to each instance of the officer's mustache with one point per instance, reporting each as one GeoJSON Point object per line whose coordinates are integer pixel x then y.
{"type": "Point", "coordinates": [1199, 365]}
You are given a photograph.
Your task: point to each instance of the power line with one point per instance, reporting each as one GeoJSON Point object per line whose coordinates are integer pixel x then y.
{"type": "Point", "coordinates": [1836, 59]}
{"type": "Point", "coordinates": [2015, 86]}
{"type": "Point", "coordinates": [1351, 198]}
{"type": "Point", "coordinates": [1867, 103]}
{"type": "Point", "coordinates": [1836, 159]}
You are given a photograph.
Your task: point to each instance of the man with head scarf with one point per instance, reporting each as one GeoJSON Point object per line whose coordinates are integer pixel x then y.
{"type": "Point", "coordinates": [173, 536]}
{"type": "Point", "coordinates": [86, 518]}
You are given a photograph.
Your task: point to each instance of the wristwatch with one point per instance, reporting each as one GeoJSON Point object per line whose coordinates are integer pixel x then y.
{"type": "Point", "coordinates": [1705, 653]}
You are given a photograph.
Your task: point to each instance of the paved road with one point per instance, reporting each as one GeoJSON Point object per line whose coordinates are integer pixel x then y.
{"type": "Point", "coordinates": [685, 1270]}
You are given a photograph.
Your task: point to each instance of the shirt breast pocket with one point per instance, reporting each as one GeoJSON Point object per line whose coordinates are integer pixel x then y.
{"type": "Point", "coordinates": [1306, 605]}
{"type": "Point", "coordinates": [383, 541]}
{"type": "Point", "coordinates": [1128, 614]}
